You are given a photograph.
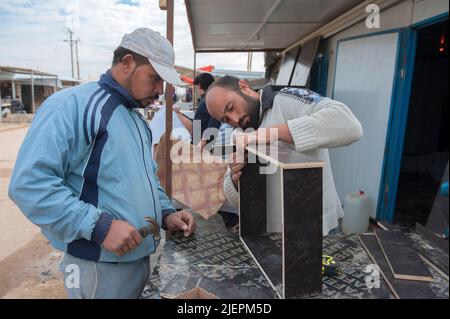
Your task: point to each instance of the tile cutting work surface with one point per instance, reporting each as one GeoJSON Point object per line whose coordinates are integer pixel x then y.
{"type": "Point", "coordinates": [216, 261]}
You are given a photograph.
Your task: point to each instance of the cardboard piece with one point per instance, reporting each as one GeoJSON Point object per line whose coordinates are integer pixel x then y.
{"type": "Point", "coordinates": [196, 293]}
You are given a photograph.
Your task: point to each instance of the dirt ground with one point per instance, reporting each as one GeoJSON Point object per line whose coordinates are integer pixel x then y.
{"type": "Point", "coordinates": [28, 264]}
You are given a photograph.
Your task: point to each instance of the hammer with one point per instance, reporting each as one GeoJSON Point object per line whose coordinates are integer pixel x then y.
{"type": "Point", "coordinates": [151, 229]}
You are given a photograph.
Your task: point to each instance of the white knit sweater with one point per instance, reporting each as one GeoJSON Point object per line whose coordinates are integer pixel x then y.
{"type": "Point", "coordinates": [316, 123]}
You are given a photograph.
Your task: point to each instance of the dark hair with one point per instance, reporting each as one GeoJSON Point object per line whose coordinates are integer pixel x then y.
{"type": "Point", "coordinates": [204, 81]}
{"type": "Point", "coordinates": [227, 82]}
{"type": "Point", "coordinates": [120, 53]}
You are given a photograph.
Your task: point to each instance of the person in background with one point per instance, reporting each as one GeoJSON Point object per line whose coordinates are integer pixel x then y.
{"type": "Point", "coordinates": [175, 98]}
{"type": "Point", "coordinates": [203, 81]}
{"type": "Point", "coordinates": [229, 213]}
{"type": "Point", "coordinates": [17, 105]}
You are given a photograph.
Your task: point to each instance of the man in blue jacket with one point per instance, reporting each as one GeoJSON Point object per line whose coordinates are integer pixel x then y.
{"type": "Point", "coordinates": [85, 173]}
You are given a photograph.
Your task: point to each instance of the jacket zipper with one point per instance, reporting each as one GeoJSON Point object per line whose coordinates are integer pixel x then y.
{"type": "Point", "coordinates": [146, 172]}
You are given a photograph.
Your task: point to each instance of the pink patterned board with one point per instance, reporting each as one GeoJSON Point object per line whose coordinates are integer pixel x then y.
{"type": "Point", "coordinates": [198, 186]}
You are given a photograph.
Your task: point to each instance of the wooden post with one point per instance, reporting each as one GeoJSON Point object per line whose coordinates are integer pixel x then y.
{"type": "Point", "coordinates": [1, 109]}
{"type": "Point", "coordinates": [13, 88]}
{"type": "Point", "coordinates": [78, 61]}
{"type": "Point", "coordinates": [33, 106]}
{"type": "Point", "coordinates": [71, 52]}
{"type": "Point", "coordinates": [169, 107]}
{"type": "Point", "coordinates": [249, 61]}
{"type": "Point", "coordinates": [194, 89]}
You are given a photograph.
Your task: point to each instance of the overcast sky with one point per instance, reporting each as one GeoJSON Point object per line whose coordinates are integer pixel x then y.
{"type": "Point", "coordinates": [32, 34]}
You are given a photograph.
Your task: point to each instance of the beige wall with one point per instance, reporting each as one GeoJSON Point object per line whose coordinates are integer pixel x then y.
{"type": "Point", "coordinates": [402, 15]}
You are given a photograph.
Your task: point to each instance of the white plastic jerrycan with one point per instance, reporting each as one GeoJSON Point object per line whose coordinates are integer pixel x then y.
{"type": "Point", "coordinates": [357, 213]}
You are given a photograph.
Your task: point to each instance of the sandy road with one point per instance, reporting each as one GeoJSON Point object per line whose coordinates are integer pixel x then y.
{"type": "Point", "coordinates": [28, 264]}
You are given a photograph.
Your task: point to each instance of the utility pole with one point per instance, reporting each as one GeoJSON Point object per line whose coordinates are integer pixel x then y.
{"type": "Point", "coordinates": [194, 89]}
{"type": "Point", "coordinates": [249, 61]}
{"type": "Point", "coordinates": [71, 50]}
{"type": "Point", "coordinates": [76, 56]}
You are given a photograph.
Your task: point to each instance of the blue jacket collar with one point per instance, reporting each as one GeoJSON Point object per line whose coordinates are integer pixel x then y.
{"type": "Point", "coordinates": [112, 86]}
{"type": "Point", "coordinates": [267, 96]}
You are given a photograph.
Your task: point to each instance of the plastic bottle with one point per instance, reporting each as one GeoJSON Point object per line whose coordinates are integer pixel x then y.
{"type": "Point", "coordinates": [357, 213]}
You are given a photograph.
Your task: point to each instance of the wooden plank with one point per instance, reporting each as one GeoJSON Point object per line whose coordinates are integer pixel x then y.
{"type": "Point", "coordinates": [169, 106]}
{"type": "Point", "coordinates": [432, 256]}
{"type": "Point", "coordinates": [383, 224]}
{"type": "Point", "coordinates": [284, 156]}
{"type": "Point", "coordinates": [436, 261]}
{"type": "Point", "coordinates": [253, 225]}
{"type": "Point", "coordinates": [386, 225]}
{"type": "Point", "coordinates": [163, 4]}
{"type": "Point", "coordinates": [401, 256]}
{"type": "Point", "coordinates": [291, 258]}
{"type": "Point", "coordinates": [302, 211]}
{"type": "Point", "coordinates": [429, 247]}
{"type": "Point", "coordinates": [435, 240]}
{"type": "Point", "coordinates": [252, 201]}
{"type": "Point", "coordinates": [401, 289]}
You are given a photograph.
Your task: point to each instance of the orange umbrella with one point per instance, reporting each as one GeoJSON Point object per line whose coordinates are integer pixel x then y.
{"type": "Point", "coordinates": [187, 80]}
{"type": "Point", "coordinates": [208, 68]}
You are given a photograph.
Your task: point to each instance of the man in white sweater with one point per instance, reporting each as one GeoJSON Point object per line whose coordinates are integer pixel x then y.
{"type": "Point", "coordinates": [303, 118]}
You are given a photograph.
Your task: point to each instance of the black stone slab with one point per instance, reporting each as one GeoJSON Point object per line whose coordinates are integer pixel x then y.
{"type": "Point", "coordinates": [438, 219]}
{"type": "Point", "coordinates": [401, 256]}
{"type": "Point", "coordinates": [267, 250]}
{"type": "Point", "coordinates": [303, 209]}
{"type": "Point", "coordinates": [402, 289]}
{"type": "Point", "coordinates": [252, 201]}
{"type": "Point", "coordinates": [301, 218]}
{"type": "Point", "coordinates": [435, 257]}
{"type": "Point", "coordinates": [213, 259]}
{"type": "Point", "coordinates": [433, 238]}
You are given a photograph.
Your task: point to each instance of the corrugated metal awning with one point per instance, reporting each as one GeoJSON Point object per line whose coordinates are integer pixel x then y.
{"type": "Point", "coordinates": [258, 25]}
{"type": "Point", "coordinates": [17, 70]}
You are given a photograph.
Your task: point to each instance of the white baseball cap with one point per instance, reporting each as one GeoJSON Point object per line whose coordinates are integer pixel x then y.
{"type": "Point", "coordinates": [157, 49]}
